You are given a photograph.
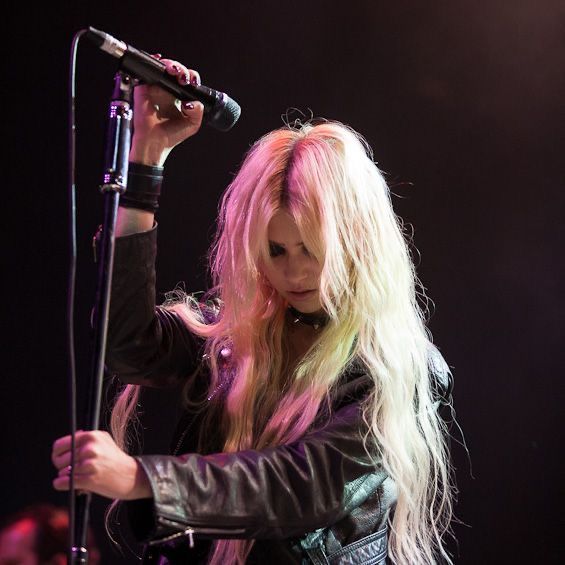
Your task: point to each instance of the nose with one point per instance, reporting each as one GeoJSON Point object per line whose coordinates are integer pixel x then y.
{"type": "Point", "coordinates": [296, 268]}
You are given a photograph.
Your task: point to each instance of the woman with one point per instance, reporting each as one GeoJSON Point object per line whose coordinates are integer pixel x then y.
{"type": "Point", "coordinates": [312, 387]}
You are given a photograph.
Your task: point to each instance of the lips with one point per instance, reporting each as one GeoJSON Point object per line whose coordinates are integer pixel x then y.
{"type": "Point", "coordinates": [302, 294]}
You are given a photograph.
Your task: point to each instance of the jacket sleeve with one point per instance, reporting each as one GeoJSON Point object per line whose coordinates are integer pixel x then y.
{"type": "Point", "coordinates": [146, 345]}
{"type": "Point", "coordinates": [275, 493]}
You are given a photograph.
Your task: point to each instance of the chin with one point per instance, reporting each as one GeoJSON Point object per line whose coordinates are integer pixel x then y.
{"type": "Point", "coordinates": [308, 303]}
{"type": "Point", "coordinates": [306, 308]}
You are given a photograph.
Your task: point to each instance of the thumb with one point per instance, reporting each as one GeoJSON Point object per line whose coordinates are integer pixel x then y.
{"type": "Point", "coordinates": [193, 110]}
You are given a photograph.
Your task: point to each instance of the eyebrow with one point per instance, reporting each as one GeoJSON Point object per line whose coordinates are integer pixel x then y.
{"type": "Point", "coordinates": [272, 242]}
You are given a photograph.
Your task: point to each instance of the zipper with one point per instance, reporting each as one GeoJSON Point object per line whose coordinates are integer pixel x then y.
{"type": "Point", "coordinates": [182, 436]}
{"type": "Point", "coordinates": [190, 532]}
{"type": "Point", "coordinates": [187, 532]}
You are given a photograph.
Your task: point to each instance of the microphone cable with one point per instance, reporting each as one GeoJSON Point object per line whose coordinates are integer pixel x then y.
{"type": "Point", "coordinates": [72, 380]}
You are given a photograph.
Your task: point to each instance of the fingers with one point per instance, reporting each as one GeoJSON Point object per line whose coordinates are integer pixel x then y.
{"type": "Point", "coordinates": [82, 480]}
{"type": "Point", "coordinates": [62, 482]}
{"type": "Point", "coordinates": [82, 468]}
{"type": "Point", "coordinates": [189, 109]}
{"type": "Point", "coordinates": [88, 444]}
{"type": "Point", "coordinates": [85, 446]}
{"type": "Point", "coordinates": [184, 75]}
{"type": "Point", "coordinates": [62, 446]}
{"type": "Point", "coordinates": [194, 111]}
{"type": "Point", "coordinates": [81, 473]}
{"type": "Point", "coordinates": [63, 460]}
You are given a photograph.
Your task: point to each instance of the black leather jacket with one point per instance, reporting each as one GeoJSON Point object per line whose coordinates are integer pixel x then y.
{"type": "Point", "coordinates": [318, 500]}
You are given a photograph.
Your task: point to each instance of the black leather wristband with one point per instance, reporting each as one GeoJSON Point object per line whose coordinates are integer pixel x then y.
{"type": "Point", "coordinates": [143, 187]}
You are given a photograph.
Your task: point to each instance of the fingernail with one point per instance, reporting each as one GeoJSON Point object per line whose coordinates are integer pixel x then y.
{"type": "Point", "coordinates": [188, 105]}
{"type": "Point", "coordinates": [184, 78]}
{"type": "Point", "coordinates": [194, 80]}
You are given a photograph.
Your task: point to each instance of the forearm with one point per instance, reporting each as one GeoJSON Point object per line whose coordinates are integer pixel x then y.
{"type": "Point", "coordinates": [132, 220]}
{"type": "Point", "coordinates": [277, 492]}
{"type": "Point", "coordinates": [150, 149]}
{"type": "Point", "coordinates": [145, 345]}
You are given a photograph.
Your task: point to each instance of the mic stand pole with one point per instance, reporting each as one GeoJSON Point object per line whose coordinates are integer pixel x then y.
{"type": "Point", "coordinates": [115, 182]}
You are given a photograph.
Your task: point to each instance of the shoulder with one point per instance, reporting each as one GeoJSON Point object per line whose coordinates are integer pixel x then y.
{"type": "Point", "coordinates": [356, 382]}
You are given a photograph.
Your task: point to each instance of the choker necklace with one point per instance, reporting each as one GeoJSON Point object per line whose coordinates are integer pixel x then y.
{"type": "Point", "coordinates": [316, 320]}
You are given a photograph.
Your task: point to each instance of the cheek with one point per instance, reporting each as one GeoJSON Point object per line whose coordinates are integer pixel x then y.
{"type": "Point", "coordinates": [314, 269]}
{"type": "Point", "coordinates": [271, 275]}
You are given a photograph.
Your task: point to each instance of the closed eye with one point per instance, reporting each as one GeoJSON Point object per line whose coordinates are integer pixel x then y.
{"type": "Point", "coordinates": [275, 250]}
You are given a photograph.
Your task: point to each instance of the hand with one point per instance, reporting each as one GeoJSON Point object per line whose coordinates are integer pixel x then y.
{"type": "Point", "coordinates": [160, 121]}
{"type": "Point", "coordinates": [101, 467]}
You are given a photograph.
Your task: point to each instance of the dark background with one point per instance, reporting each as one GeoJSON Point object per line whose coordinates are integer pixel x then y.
{"type": "Point", "coordinates": [462, 103]}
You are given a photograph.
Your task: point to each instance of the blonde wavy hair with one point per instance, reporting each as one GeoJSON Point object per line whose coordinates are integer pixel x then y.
{"type": "Point", "coordinates": [324, 176]}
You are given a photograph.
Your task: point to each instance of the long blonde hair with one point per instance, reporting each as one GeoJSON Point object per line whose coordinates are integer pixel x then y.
{"type": "Point", "coordinates": [324, 176]}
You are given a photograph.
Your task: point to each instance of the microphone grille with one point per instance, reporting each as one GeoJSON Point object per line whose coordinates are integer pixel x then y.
{"type": "Point", "coordinates": [224, 114]}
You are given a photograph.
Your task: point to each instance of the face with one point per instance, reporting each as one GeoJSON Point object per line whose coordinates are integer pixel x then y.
{"type": "Point", "coordinates": [292, 271]}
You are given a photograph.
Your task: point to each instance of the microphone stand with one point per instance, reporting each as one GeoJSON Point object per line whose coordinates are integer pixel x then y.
{"type": "Point", "coordinates": [115, 182]}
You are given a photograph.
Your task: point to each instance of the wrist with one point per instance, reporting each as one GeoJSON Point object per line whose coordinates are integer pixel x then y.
{"type": "Point", "coordinates": [142, 486]}
{"type": "Point", "coordinates": [148, 154]}
{"type": "Point", "coordinates": [143, 187]}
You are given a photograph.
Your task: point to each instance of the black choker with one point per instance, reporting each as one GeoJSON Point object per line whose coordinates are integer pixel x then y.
{"type": "Point", "coordinates": [316, 320]}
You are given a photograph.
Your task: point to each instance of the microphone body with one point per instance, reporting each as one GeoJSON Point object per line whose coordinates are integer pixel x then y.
{"type": "Point", "coordinates": [220, 111]}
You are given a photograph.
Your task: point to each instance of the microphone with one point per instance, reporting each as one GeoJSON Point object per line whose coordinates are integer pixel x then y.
{"type": "Point", "coordinates": [220, 111]}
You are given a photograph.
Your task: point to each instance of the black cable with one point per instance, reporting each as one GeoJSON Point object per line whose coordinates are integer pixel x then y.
{"type": "Point", "coordinates": [72, 281]}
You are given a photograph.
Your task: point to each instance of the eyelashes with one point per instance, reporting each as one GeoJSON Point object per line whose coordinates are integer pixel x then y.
{"type": "Point", "coordinates": [276, 250]}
